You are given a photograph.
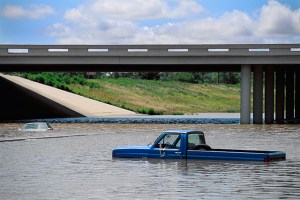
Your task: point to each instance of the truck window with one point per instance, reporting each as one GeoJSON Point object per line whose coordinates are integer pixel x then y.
{"type": "Point", "coordinates": [194, 140]}
{"type": "Point", "coordinates": [169, 141]}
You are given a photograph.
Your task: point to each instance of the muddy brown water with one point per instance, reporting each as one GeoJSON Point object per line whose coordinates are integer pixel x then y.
{"type": "Point", "coordinates": [74, 162]}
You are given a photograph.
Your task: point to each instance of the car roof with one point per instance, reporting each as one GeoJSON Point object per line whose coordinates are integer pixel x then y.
{"type": "Point", "coordinates": [37, 123]}
{"type": "Point", "coordinates": [184, 131]}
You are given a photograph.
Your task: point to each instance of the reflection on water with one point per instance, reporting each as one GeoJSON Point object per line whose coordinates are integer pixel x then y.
{"type": "Point", "coordinates": [74, 162]}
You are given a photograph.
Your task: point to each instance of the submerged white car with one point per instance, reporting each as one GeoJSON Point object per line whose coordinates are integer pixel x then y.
{"type": "Point", "coordinates": [37, 126]}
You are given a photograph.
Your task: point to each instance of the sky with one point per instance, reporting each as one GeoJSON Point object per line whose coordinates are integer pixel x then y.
{"type": "Point", "coordinates": [149, 21]}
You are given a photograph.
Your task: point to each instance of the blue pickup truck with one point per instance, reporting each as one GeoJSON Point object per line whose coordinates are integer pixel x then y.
{"type": "Point", "coordinates": [190, 144]}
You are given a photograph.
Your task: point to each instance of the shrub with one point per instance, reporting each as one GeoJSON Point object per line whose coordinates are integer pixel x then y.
{"type": "Point", "coordinates": [149, 111]}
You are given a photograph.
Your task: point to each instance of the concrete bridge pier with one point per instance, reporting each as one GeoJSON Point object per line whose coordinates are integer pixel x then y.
{"type": "Point", "coordinates": [280, 83]}
{"type": "Point", "coordinates": [258, 94]}
{"type": "Point", "coordinates": [297, 98]}
{"type": "Point", "coordinates": [287, 95]}
{"type": "Point", "coordinates": [290, 96]}
{"type": "Point", "coordinates": [269, 95]}
{"type": "Point", "coordinates": [245, 94]}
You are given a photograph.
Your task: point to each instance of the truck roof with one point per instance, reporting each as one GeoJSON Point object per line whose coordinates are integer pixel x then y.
{"type": "Point", "coordinates": [184, 131]}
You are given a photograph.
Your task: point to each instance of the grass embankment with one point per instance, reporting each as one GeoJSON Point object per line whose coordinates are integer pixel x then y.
{"type": "Point", "coordinates": [150, 96]}
{"type": "Point", "coordinates": [162, 97]}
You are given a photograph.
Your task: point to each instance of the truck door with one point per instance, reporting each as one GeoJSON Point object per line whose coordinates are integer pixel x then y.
{"type": "Point", "coordinates": [169, 146]}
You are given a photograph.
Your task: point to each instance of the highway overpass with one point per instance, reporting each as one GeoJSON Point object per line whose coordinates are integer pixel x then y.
{"type": "Point", "coordinates": [273, 66]}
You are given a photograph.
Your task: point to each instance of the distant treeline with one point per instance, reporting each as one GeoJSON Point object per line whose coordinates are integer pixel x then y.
{"type": "Point", "coordinates": [196, 77]}
{"type": "Point", "coordinates": [62, 79]}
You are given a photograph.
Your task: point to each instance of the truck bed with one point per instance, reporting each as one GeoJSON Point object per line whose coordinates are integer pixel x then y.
{"type": "Point", "coordinates": [236, 154]}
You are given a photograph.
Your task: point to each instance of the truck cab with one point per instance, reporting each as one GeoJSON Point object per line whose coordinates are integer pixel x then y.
{"type": "Point", "coordinates": [175, 144]}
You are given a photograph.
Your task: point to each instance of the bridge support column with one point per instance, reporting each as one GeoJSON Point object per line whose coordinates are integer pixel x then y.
{"type": "Point", "coordinates": [258, 94]}
{"type": "Point", "coordinates": [297, 99]}
{"type": "Point", "coordinates": [280, 95]}
{"type": "Point", "coordinates": [269, 95]}
{"type": "Point", "coordinates": [290, 97]}
{"type": "Point", "coordinates": [245, 94]}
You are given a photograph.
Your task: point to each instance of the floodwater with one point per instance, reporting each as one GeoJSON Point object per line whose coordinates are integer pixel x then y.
{"type": "Point", "coordinates": [74, 162]}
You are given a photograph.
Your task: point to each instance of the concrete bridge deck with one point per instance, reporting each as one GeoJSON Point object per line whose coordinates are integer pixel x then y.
{"type": "Point", "coordinates": [108, 58]}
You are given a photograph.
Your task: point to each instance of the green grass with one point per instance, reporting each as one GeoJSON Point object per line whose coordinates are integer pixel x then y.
{"type": "Point", "coordinates": [161, 97]}
{"type": "Point", "coordinates": [148, 96]}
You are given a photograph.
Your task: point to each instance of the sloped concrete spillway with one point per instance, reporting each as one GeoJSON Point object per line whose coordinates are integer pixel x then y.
{"type": "Point", "coordinates": [25, 99]}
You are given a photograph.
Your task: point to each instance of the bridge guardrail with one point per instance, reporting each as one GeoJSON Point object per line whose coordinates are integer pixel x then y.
{"type": "Point", "coordinates": [144, 50]}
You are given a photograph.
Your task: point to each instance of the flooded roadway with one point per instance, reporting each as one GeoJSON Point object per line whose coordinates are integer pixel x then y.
{"type": "Point", "coordinates": [74, 162]}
